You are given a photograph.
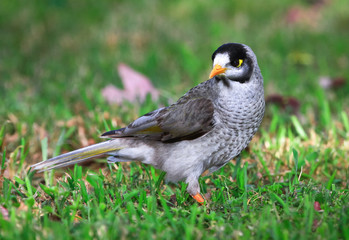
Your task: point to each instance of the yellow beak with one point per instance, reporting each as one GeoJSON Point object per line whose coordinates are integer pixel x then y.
{"type": "Point", "coordinates": [217, 69]}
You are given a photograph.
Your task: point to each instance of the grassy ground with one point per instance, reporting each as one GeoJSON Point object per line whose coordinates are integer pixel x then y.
{"type": "Point", "coordinates": [56, 56]}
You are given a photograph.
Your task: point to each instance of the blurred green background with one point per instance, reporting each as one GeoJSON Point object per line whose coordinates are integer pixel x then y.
{"type": "Point", "coordinates": [56, 51]}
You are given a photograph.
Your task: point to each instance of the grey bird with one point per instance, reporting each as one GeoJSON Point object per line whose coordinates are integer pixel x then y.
{"type": "Point", "coordinates": [205, 129]}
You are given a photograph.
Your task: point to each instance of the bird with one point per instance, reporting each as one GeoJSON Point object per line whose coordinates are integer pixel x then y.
{"type": "Point", "coordinates": [205, 129]}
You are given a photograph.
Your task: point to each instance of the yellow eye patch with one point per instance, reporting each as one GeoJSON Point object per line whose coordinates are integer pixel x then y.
{"type": "Point", "coordinates": [240, 63]}
{"type": "Point", "coordinates": [237, 62]}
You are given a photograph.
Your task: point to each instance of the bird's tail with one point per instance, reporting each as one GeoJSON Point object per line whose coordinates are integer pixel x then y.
{"type": "Point", "coordinates": [78, 156]}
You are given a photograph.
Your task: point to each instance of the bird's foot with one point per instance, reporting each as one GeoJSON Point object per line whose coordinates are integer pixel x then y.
{"type": "Point", "coordinates": [199, 198]}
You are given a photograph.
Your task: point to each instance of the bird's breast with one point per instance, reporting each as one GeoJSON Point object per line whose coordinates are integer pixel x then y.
{"type": "Point", "coordinates": [237, 120]}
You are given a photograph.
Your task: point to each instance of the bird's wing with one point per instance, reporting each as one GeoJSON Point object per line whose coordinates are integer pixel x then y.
{"type": "Point", "coordinates": [186, 120]}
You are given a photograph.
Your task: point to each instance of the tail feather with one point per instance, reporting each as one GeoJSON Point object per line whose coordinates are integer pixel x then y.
{"type": "Point", "coordinates": [78, 156]}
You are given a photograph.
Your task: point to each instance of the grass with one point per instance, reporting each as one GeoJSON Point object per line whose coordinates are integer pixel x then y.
{"type": "Point", "coordinates": [56, 56]}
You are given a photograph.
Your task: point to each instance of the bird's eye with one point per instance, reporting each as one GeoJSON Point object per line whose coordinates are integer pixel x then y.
{"type": "Point", "coordinates": [237, 63]}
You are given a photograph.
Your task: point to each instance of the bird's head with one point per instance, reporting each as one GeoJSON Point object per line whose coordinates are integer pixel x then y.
{"type": "Point", "coordinates": [233, 61]}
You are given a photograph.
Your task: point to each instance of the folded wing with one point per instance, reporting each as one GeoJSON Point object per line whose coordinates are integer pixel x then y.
{"type": "Point", "coordinates": [186, 120]}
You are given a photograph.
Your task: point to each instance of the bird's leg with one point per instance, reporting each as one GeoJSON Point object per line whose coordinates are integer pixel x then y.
{"type": "Point", "coordinates": [194, 189]}
{"type": "Point", "coordinates": [199, 198]}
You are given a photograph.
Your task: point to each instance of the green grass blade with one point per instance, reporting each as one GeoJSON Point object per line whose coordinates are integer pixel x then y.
{"type": "Point", "coordinates": [44, 147]}
{"type": "Point", "coordinates": [2, 135]}
{"type": "Point", "coordinates": [280, 201]}
{"type": "Point", "coordinates": [3, 160]}
{"type": "Point", "coordinates": [345, 121]}
{"type": "Point", "coordinates": [298, 127]}
{"type": "Point", "coordinates": [330, 181]}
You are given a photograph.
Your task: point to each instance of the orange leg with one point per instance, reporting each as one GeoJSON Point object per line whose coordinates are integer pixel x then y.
{"type": "Point", "coordinates": [198, 197]}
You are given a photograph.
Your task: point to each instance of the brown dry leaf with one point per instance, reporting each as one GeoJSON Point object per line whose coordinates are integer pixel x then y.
{"type": "Point", "coordinates": [7, 173]}
{"type": "Point", "coordinates": [22, 207]}
{"type": "Point", "coordinates": [173, 199]}
{"type": "Point", "coordinates": [317, 206]}
{"type": "Point", "coordinates": [74, 121]}
{"type": "Point", "coordinates": [284, 103]}
{"type": "Point", "coordinates": [11, 138]}
{"type": "Point", "coordinates": [40, 130]}
{"type": "Point", "coordinates": [331, 83]}
{"type": "Point", "coordinates": [4, 212]}
{"type": "Point", "coordinates": [13, 118]}
{"type": "Point", "coordinates": [82, 136]}
{"type": "Point", "coordinates": [136, 85]}
{"type": "Point", "coordinates": [307, 16]}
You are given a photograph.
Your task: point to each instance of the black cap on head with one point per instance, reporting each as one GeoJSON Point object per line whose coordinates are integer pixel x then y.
{"type": "Point", "coordinates": [235, 51]}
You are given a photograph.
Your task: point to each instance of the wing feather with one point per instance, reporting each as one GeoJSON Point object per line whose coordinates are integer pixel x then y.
{"type": "Point", "coordinates": [186, 120]}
